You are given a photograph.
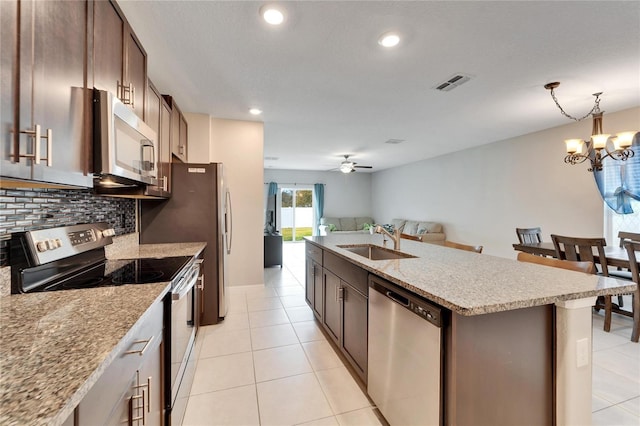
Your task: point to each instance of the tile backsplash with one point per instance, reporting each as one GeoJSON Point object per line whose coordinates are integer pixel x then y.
{"type": "Point", "coordinates": [38, 208]}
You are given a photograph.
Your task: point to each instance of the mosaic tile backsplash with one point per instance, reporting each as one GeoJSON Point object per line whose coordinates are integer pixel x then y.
{"type": "Point", "coordinates": [38, 208]}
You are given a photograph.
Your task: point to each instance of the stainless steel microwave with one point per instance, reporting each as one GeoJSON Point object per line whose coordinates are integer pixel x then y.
{"type": "Point", "coordinates": [125, 148]}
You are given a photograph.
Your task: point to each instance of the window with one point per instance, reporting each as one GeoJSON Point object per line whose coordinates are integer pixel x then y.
{"type": "Point", "coordinates": [296, 213]}
{"type": "Point", "coordinates": [614, 222]}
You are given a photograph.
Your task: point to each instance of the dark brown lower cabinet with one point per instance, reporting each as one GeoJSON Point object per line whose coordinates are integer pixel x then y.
{"type": "Point", "coordinates": [354, 328]}
{"type": "Point", "coordinates": [131, 387]}
{"type": "Point", "coordinates": [313, 288]}
{"type": "Point", "coordinates": [331, 318]}
{"type": "Point", "coordinates": [345, 318]}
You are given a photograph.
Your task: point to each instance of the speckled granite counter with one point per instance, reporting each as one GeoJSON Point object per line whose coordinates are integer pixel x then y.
{"type": "Point", "coordinates": [54, 346]}
{"type": "Point", "coordinates": [470, 283]}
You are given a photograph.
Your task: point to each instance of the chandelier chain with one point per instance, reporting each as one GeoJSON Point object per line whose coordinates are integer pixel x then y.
{"type": "Point", "coordinates": [596, 107]}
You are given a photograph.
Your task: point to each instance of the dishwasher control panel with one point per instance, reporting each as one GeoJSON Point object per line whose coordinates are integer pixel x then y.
{"type": "Point", "coordinates": [421, 307]}
{"type": "Point", "coordinates": [426, 311]}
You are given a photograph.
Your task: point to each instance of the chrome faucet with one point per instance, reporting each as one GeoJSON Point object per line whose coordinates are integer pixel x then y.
{"type": "Point", "coordinates": [395, 237]}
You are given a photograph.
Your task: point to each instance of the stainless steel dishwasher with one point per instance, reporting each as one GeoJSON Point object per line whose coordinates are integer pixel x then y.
{"type": "Point", "coordinates": [405, 355]}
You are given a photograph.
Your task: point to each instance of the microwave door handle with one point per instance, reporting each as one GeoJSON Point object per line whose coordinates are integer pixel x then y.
{"type": "Point", "coordinates": [148, 144]}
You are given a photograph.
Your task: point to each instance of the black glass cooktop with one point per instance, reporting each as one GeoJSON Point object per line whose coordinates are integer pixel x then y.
{"type": "Point", "coordinates": [120, 272]}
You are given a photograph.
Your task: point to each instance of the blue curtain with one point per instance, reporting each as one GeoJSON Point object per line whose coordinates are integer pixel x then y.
{"type": "Point", "coordinates": [318, 206]}
{"type": "Point", "coordinates": [619, 181]}
{"type": "Point", "coordinates": [273, 189]}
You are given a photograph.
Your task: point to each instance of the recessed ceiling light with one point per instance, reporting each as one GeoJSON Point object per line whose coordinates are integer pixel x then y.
{"type": "Point", "coordinates": [272, 15]}
{"type": "Point", "coordinates": [255, 111]}
{"type": "Point", "coordinates": [389, 40]}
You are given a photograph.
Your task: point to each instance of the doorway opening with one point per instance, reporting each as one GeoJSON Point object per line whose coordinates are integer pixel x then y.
{"type": "Point", "coordinates": [296, 213]}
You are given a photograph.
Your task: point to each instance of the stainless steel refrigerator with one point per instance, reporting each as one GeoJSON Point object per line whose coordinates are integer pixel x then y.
{"type": "Point", "coordinates": [199, 210]}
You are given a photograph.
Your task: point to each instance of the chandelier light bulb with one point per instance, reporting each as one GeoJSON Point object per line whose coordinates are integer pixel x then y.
{"type": "Point", "coordinates": [573, 145]}
{"type": "Point", "coordinates": [389, 40]}
{"type": "Point", "coordinates": [624, 140]}
{"type": "Point", "coordinates": [600, 141]}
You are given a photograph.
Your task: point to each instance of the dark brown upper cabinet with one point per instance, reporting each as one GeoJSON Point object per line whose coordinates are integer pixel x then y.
{"type": "Point", "coordinates": [158, 117]}
{"type": "Point", "coordinates": [45, 100]}
{"type": "Point", "coordinates": [179, 131]}
{"type": "Point", "coordinates": [120, 61]}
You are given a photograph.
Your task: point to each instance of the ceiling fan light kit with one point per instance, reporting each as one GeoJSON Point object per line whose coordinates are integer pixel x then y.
{"type": "Point", "coordinates": [596, 149]}
{"type": "Point", "coordinates": [348, 166]}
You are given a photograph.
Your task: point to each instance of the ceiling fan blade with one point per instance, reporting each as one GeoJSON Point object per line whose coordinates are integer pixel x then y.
{"type": "Point", "coordinates": [363, 167]}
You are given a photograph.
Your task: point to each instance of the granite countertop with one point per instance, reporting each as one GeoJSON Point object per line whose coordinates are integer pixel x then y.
{"type": "Point", "coordinates": [54, 346]}
{"type": "Point", "coordinates": [470, 283]}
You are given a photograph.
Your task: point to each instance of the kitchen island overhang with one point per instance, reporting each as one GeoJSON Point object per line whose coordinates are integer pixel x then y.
{"type": "Point", "coordinates": [553, 304]}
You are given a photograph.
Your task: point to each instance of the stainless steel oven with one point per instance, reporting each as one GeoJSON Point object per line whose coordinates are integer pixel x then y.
{"type": "Point", "coordinates": [182, 337]}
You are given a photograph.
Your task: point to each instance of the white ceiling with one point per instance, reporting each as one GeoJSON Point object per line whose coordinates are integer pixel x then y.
{"type": "Point", "coordinates": [328, 89]}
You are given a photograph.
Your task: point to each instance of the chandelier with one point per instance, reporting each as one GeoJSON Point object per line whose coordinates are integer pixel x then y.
{"type": "Point", "coordinates": [598, 147]}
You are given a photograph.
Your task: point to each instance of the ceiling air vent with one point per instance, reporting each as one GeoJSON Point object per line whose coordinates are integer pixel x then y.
{"type": "Point", "coordinates": [394, 141]}
{"type": "Point", "coordinates": [453, 82]}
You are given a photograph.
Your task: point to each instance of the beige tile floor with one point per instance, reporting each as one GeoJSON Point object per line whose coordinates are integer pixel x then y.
{"type": "Point", "coordinates": [269, 364]}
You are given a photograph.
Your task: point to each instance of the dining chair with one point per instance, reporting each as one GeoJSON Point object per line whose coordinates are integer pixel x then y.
{"type": "Point", "coordinates": [624, 237]}
{"type": "Point", "coordinates": [633, 247]}
{"type": "Point", "coordinates": [581, 249]}
{"type": "Point", "coordinates": [529, 235]}
{"type": "Point", "coordinates": [619, 272]}
{"type": "Point", "coordinates": [476, 249]}
{"type": "Point", "coordinates": [572, 265]}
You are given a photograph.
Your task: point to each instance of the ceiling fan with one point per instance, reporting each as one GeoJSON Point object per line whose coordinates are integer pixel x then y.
{"type": "Point", "coordinates": [348, 166]}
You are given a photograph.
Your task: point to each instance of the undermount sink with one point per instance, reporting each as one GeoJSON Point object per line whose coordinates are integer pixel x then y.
{"type": "Point", "coordinates": [374, 252]}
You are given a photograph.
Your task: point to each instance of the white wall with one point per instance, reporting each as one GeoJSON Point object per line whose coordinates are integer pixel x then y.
{"type": "Point", "coordinates": [344, 194]}
{"type": "Point", "coordinates": [239, 146]}
{"type": "Point", "coordinates": [198, 136]}
{"type": "Point", "coordinates": [481, 195]}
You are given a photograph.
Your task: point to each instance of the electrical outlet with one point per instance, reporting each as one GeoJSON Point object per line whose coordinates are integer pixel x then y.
{"type": "Point", "coordinates": [582, 352]}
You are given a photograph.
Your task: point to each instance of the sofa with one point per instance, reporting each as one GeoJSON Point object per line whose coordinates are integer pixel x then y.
{"type": "Point", "coordinates": [427, 232]}
{"type": "Point", "coordinates": [344, 225]}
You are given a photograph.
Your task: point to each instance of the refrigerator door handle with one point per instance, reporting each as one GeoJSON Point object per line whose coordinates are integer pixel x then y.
{"type": "Point", "coordinates": [228, 223]}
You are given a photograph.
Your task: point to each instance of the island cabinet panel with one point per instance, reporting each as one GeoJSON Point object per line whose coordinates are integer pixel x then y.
{"type": "Point", "coordinates": [313, 279]}
{"type": "Point", "coordinates": [347, 271]}
{"type": "Point", "coordinates": [496, 374]}
{"type": "Point", "coordinates": [354, 329]}
{"type": "Point", "coordinates": [331, 317]}
{"type": "Point", "coordinates": [337, 292]}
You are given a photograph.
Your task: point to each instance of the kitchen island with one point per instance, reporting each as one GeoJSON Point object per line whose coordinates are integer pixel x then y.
{"type": "Point", "coordinates": [54, 346]}
{"type": "Point", "coordinates": [516, 345]}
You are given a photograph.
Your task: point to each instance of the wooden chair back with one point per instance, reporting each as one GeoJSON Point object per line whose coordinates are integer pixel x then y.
{"type": "Point", "coordinates": [581, 249]}
{"type": "Point", "coordinates": [627, 236]}
{"type": "Point", "coordinates": [586, 267]}
{"type": "Point", "coordinates": [529, 235]}
{"type": "Point", "coordinates": [410, 237]}
{"type": "Point", "coordinates": [633, 247]}
{"type": "Point", "coordinates": [476, 249]}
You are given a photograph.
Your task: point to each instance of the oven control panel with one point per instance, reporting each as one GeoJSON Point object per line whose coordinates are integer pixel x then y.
{"type": "Point", "coordinates": [47, 245]}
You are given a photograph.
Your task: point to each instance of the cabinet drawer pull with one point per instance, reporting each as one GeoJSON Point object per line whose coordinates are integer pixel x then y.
{"type": "Point", "coordinates": [36, 135]}
{"type": "Point", "coordinates": [144, 348]}
{"type": "Point", "coordinates": [143, 416]}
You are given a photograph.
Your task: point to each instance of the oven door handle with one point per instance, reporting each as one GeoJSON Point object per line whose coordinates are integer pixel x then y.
{"type": "Point", "coordinates": [186, 283]}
